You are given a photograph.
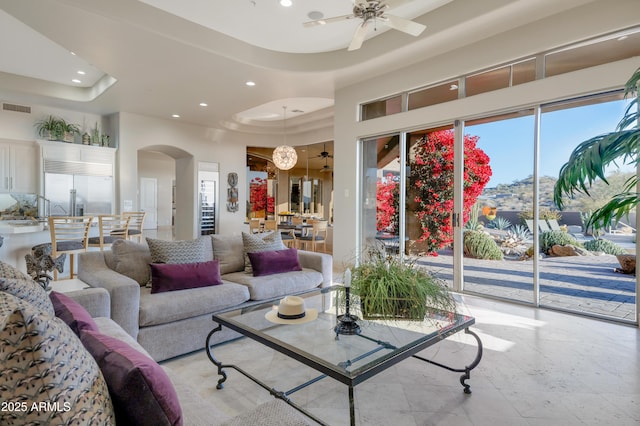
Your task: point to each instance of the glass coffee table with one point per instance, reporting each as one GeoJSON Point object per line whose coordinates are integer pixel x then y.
{"type": "Point", "coordinates": [350, 359]}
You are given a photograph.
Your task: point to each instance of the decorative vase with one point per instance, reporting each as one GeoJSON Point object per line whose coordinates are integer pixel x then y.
{"type": "Point", "coordinates": [86, 139]}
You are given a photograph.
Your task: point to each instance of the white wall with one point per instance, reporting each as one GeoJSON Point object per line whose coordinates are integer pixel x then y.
{"type": "Point", "coordinates": [184, 140]}
{"type": "Point", "coordinates": [596, 18]}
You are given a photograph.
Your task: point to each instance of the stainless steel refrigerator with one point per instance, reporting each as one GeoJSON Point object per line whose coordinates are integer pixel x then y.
{"type": "Point", "coordinates": [77, 195]}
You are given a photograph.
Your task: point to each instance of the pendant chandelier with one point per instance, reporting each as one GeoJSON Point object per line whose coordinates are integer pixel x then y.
{"type": "Point", "coordinates": [284, 156]}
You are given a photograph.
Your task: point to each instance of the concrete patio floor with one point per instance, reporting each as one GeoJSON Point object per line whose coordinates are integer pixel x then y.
{"type": "Point", "coordinates": [583, 284]}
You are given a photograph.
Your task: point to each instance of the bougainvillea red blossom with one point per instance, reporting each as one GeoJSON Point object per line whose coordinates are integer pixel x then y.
{"type": "Point", "coordinates": [258, 194]}
{"type": "Point", "coordinates": [271, 205]}
{"type": "Point", "coordinates": [387, 198]}
{"type": "Point", "coordinates": [430, 187]}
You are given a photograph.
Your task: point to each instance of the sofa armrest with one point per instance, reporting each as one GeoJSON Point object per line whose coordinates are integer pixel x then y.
{"type": "Point", "coordinates": [95, 300]}
{"type": "Point", "coordinates": [123, 291]}
{"type": "Point", "coordinates": [321, 262]}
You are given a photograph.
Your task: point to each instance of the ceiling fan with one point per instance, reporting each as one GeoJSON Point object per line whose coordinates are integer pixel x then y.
{"type": "Point", "coordinates": [326, 167]}
{"type": "Point", "coordinates": [324, 153]}
{"type": "Point", "coordinates": [371, 12]}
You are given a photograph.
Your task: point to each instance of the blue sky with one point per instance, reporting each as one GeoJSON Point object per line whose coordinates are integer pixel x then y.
{"type": "Point", "coordinates": [509, 143]}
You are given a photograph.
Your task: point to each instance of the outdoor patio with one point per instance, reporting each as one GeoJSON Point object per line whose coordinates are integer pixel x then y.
{"type": "Point", "coordinates": [584, 284]}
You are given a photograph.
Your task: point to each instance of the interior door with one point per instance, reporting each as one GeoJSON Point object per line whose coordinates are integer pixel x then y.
{"type": "Point", "coordinates": [149, 201]}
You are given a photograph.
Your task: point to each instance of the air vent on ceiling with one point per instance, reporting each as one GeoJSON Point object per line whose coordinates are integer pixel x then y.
{"type": "Point", "coordinates": [16, 108]}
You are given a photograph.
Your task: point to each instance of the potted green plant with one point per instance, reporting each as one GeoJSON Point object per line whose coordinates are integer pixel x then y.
{"type": "Point", "coordinates": [69, 131]}
{"type": "Point", "coordinates": [389, 287]}
{"type": "Point", "coordinates": [50, 128]}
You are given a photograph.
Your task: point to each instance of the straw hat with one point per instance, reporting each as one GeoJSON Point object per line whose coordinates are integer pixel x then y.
{"type": "Point", "coordinates": [292, 311]}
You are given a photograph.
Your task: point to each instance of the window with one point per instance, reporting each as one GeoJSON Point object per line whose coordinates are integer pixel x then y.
{"type": "Point", "coordinates": [382, 108]}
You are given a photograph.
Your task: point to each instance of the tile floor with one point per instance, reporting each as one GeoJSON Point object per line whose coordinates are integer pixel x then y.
{"type": "Point", "coordinates": [539, 367]}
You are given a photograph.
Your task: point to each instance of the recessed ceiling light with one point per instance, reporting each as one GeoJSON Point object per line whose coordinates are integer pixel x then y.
{"type": "Point", "coordinates": [81, 72]}
{"type": "Point", "coordinates": [286, 3]}
{"type": "Point", "coordinates": [75, 80]}
{"type": "Point", "coordinates": [73, 53]}
{"type": "Point", "coordinates": [314, 15]}
{"type": "Point", "coordinates": [250, 83]}
{"type": "Point", "coordinates": [204, 104]}
{"type": "Point", "coordinates": [175, 115]}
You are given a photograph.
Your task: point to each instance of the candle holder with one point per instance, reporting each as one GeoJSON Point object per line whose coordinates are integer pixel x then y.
{"type": "Point", "coordinates": [347, 323]}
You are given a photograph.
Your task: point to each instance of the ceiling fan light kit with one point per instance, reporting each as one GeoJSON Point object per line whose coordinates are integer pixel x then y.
{"type": "Point", "coordinates": [373, 12]}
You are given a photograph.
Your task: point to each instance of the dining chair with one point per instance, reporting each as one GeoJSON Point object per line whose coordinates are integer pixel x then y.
{"type": "Point", "coordinates": [317, 236]}
{"type": "Point", "coordinates": [255, 225]}
{"type": "Point", "coordinates": [270, 225]}
{"type": "Point", "coordinates": [135, 224]}
{"type": "Point", "coordinates": [112, 227]}
{"type": "Point", "coordinates": [298, 221]}
{"type": "Point", "coordinates": [287, 235]}
{"type": "Point", "coordinates": [69, 235]}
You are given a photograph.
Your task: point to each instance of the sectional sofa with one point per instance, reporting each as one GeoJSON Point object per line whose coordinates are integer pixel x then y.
{"type": "Point", "coordinates": [172, 323]}
{"type": "Point", "coordinates": [63, 361]}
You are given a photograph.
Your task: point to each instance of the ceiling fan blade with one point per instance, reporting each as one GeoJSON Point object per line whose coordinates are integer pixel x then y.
{"type": "Point", "coordinates": [404, 25]}
{"type": "Point", "coordinates": [358, 37]}
{"type": "Point", "coordinates": [319, 22]}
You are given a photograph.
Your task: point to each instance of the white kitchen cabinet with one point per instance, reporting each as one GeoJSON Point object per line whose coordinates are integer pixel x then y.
{"type": "Point", "coordinates": [18, 167]}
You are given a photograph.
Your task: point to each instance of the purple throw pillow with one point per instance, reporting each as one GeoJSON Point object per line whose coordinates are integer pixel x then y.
{"type": "Point", "coordinates": [140, 389]}
{"type": "Point", "coordinates": [181, 276]}
{"type": "Point", "coordinates": [72, 313]}
{"type": "Point", "coordinates": [274, 262]}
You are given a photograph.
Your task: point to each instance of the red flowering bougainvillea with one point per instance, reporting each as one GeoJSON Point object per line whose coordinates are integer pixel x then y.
{"type": "Point", "coordinates": [430, 188]}
{"type": "Point", "coordinates": [258, 194]}
{"type": "Point", "coordinates": [387, 198]}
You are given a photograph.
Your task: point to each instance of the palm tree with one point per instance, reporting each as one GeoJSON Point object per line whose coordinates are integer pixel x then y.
{"type": "Point", "coordinates": [589, 160]}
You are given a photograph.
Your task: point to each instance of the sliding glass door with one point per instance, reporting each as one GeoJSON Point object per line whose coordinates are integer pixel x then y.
{"type": "Point", "coordinates": [515, 242]}
{"type": "Point", "coordinates": [585, 277]}
{"type": "Point", "coordinates": [499, 231]}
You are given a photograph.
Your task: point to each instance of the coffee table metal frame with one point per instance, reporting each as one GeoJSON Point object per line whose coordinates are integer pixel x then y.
{"type": "Point", "coordinates": [337, 372]}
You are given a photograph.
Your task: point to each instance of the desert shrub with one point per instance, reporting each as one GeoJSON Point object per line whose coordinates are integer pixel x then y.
{"type": "Point", "coordinates": [549, 239]}
{"type": "Point", "coordinates": [499, 223]}
{"type": "Point", "coordinates": [521, 232]}
{"type": "Point", "coordinates": [481, 246]}
{"type": "Point", "coordinates": [605, 246]}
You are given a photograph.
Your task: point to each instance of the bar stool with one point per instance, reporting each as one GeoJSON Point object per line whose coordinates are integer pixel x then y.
{"type": "Point", "coordinates": [112, 227]}
{"type": "Point", "coordinates": [70, 235]}
{"type": "Point", "coordinates": [135, 224]}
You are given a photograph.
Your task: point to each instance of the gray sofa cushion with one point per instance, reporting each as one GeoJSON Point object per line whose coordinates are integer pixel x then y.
{"type": "Point", "coordinates": [276, 285]}
{"type": "Point", "coordinates": [130, 259]}
{"type": "Point", "coordinates": [161, 308]}
{"type": "Point", "coordinates": [229, 250]}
